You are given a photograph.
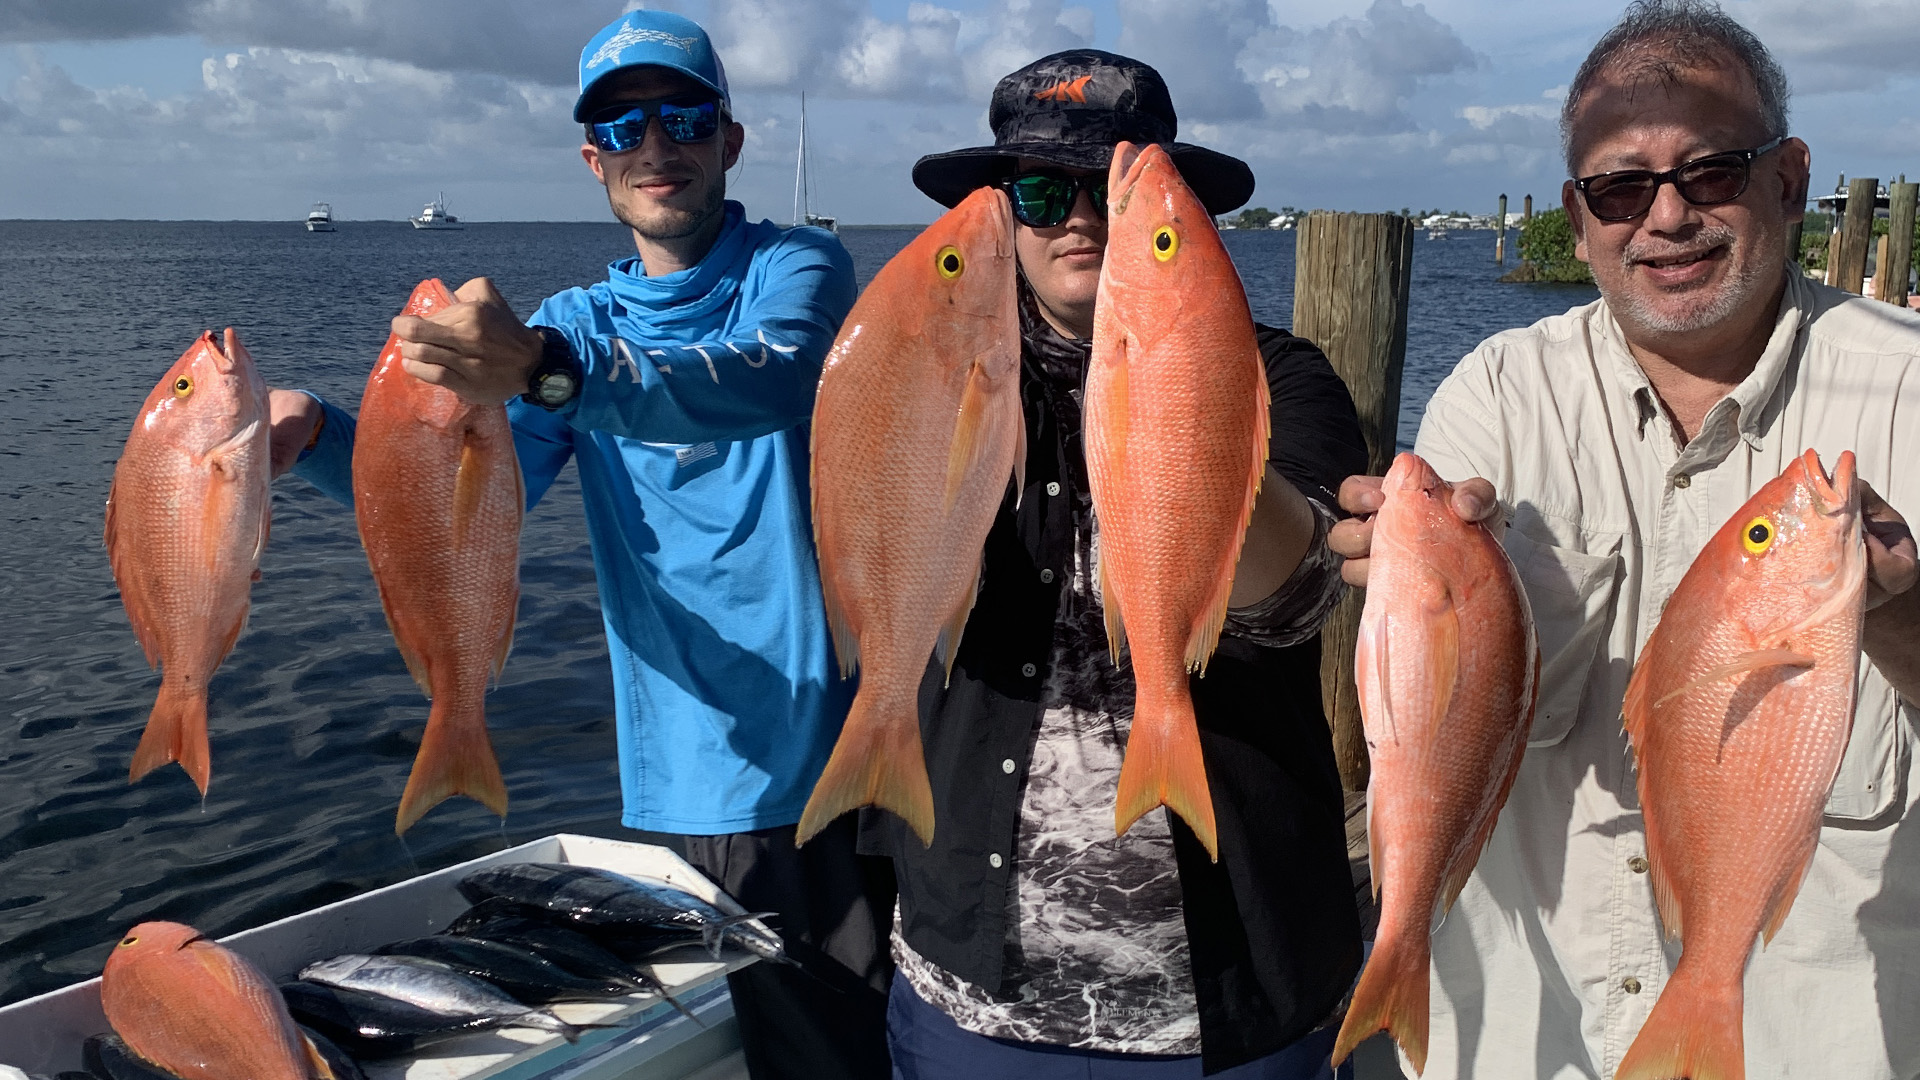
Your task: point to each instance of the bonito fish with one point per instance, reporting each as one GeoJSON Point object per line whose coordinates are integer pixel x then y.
{"type": "Point", "coordinates": [1739, 710]}
{"type": "Point", "coordinates": [1176, 440]}
{"type": "Point", "coordinates": [438, 495]}
{"type": "Point", "coordinates": [1448, 670]}
{"type": "Point", "coordinates": [187, 1004]}
{"type": "Point", "coordinates": [186, 522]}
{"type": "Point", "coordinates": [916, 431]}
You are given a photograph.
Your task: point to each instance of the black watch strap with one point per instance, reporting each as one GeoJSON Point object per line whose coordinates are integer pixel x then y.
{"type": "Point", "coordinates": [556, 379]}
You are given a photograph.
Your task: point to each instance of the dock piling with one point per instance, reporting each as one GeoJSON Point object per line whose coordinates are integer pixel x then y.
{"type": "Point", "coordinates": [1850, 260]}
{"type": "Point", "coordinates": [1352, 276]}
{"type": "Point", "coordinates": [1891, 277]}
{"type": "Point", "coordinates": [1500, 241]}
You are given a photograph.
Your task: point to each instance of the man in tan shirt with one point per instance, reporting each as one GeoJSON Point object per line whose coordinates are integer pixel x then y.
{"type": "Point", "coordinates": [1612, 442]}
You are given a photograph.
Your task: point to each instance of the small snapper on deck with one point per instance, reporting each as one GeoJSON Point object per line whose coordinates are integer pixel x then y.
{"type": "Point", "coordinates": [1739, 710]}
{"type": "Point", "coordinates": [1448, 671]}
{"type": "Point", "coordinates": [917, 430]}
{"type": "Point", "coordinates": [186, 523]}
{"type": "Point", "coordinates": [437, 493]}
{"type": "Point", "coordinates": [1176, 440]}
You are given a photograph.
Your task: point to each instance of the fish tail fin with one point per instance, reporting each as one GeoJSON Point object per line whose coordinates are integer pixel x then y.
{"type": "Point", "coordinates": [1693, 1031]}
{"type": "Point", "coordinates": [1164, 767]}
{"type": "Point", "coordinates": [1392, 996]}
{"type": "Point", "coordinates": [454, 759]}
{"type": "Point", "coordinates": [876, 762]}
{"type": "Point", "coordinates": [176, 731]}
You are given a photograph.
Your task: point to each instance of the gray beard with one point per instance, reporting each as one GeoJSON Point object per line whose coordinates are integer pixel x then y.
{"type": "Point", "coordinates": [1747, 280]}
{"type": "Point", "coordinates": [677, 225]}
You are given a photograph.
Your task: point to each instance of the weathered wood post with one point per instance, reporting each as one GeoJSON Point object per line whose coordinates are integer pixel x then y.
{"type": "Point", "coordinates": [1500, 241]}
{"type": "Point", "coordinates": [1351, 278]}
{"type": "Point", "coordinates": [1879, 264]}
{"type": "Point", "coordinates": [1850, 257]}
{"type": "Point", "coordinates": [1902, 199]}
{"type": "Point", "coordinates": [1526, 211]}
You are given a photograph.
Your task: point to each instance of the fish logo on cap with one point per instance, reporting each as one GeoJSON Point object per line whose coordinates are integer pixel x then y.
{"type": "Point", "coordinates": [636, 35]}
{"type": "Point", "coordinates": [1072, 90]}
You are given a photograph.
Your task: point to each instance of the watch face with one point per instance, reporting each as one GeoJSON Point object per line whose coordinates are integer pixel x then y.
{"type": "Point", "coordinates": [557, 388]}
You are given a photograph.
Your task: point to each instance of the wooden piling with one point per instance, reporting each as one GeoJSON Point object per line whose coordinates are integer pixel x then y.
{"type": "Point", "coordinates": [1500, 241]}
{"type": "Point", "coordinates": [1352, 274]}
{"type": "Point", "coordinates": [1850, 258]}
{"type": "Point", "coordinates": [1879, 264]}
{"type": "Point", "coordinates": [1902, 198]}
{"type": "Point", "coordinates": [1526, 211]}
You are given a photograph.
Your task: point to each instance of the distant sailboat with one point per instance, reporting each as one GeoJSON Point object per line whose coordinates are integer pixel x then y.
{"type": "Point", "coordinates": [802, 212]}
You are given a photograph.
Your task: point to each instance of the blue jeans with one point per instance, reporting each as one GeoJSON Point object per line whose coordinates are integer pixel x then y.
{"type": "Point", "coordinates": [927, 1045]}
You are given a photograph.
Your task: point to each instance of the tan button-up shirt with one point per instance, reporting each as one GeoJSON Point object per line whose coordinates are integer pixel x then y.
{"type": "Point", "coordinates": [1553, 955]}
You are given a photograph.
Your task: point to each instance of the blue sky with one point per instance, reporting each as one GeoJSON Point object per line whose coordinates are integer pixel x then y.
{"type": "Point", "coordinates": [252, 109]}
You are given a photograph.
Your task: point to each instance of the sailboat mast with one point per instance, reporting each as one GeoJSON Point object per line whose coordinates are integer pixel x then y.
{"type": "Point", "coordinates": [800, 167]}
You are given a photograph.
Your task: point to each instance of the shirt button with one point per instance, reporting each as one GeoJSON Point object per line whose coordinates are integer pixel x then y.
{"type": "Point", "coordinates": [1007, 766]}
{"type": "Point", "coordinates": [1637, 864]}
{"type": "Point", "coordinates": [1053, 487]}
{"type": "Point", "coordinates": [1630, 984]}
{"type": "Point", "coordinates": [1046, 576]}
{"type": "Point", "coordinates": [994, 860]}
{"type": "Point", "coordinates": [1028, 670]}
{"type": "Point", "coordinates": [1681, 481]}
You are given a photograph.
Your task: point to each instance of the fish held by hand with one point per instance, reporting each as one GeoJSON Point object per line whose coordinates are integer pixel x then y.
{"type": "Point", "coordinates": [1176, 441]}
{"type": "Point", "coordinates": [917, 429]}
{"type": "Point", "coordinates": [438, 496]}
{"type": "Point", "coordinates": [186, 523]}
{"type": "Point", "coordinates": [1448, 671]}
{"type": "Point", "coordinates": [1739, 710]}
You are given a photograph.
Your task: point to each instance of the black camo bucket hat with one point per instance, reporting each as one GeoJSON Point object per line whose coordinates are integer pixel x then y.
{"type": "Point", "coordinates": [1069, 109]}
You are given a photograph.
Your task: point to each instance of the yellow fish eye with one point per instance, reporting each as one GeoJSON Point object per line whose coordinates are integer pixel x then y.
{"type": "Point", "coordinates": [182, 386]}
{"type": "Point", "coordinates": [129, 941]}
{"type": "Point", "coordinates": [1757, 537]}
{"type": "Point", "coordinates": [1165, 242]}
{"type": "Point", "coordinates": [949, 262]}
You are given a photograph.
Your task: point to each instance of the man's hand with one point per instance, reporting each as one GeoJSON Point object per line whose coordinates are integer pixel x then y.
{"type": "Point", "coordinates": [1892, 567]}
{"type": "Point", "coordinates": [291, 419]}
{"type": "Point", "coordinates": [477, 348]}
{"type": "Point", "coordinates": [1360, 496]}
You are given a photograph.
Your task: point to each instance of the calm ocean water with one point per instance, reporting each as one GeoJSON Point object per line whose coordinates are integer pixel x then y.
{"type": "Point", "coordinates": [314, 720]}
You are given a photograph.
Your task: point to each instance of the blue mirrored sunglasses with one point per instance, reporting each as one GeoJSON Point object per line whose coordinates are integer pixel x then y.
{"type": "Point", "coordinates": [621, 128]}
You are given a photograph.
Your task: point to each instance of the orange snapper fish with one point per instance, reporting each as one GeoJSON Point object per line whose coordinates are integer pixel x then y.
{"type": "Point", "coordinates": [1176, 441]}
{"type": "Point", "coordinates": [438, 496]}
{"type": "Point", "coordinates": [1448, 671]}
{"type": "Point", "coordinates": [202, 1012]}
{"type": "Point", "coordinates": [917, 429]}
{"type": "Point", "coordinates": [186, 523]}
{"type": "Point", "coordinates": [1739, 711]}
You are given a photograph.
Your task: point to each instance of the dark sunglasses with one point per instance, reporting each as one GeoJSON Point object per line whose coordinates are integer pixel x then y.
{"type": "Point", "coordinates": [1704, 181]}
{"type": "Point", "coordinates": [620, 128]}
{"type": "Point", "coordinates": [1044, 199]}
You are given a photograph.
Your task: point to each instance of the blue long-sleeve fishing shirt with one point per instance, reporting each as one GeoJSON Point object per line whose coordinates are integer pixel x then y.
{"type": "Point", "coordinates": [691, 433]}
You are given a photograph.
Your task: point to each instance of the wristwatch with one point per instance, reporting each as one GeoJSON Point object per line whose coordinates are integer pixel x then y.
{"type": "Point", "coordinates": [557, 377]}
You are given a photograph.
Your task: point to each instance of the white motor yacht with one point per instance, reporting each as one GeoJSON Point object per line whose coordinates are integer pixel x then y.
{"type": "Point", "coordinates": [320, 218]}
{"type": "Point", "coordinates": [435, 216]}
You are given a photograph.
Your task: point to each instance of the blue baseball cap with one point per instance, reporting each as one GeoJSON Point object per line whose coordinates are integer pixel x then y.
{"type": "Point", "coordinates": [655, 38]}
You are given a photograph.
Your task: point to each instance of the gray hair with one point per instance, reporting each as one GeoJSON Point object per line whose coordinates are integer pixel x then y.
{"type": "Point", "coordinates": [1657, 40]}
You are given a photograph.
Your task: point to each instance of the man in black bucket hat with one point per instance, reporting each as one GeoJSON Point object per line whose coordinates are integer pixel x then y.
{"type": "Point", "coordinates": [1031, 941]}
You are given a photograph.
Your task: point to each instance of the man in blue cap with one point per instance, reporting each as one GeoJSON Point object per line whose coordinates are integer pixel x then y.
{"type": "Point", "coordinates": [682, 386]}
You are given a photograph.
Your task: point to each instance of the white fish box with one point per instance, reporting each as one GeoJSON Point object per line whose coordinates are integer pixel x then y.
{"type": "Point", "coordinates": [43, 1034]}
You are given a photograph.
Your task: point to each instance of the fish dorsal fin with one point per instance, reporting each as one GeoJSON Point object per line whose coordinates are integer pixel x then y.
{"type": "Point", "coordinates": [125, 574]}
{"type": "Point", "coordinates": [1783, 900]}
{"type": "Point", "coordinates": [1757, 660]}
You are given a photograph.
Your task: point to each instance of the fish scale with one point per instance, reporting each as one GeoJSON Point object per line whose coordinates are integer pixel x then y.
{"type": "Point", "coordinates": [1739, 710]}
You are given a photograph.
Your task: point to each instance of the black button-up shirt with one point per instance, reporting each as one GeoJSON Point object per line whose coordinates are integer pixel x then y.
{"type": "Point", "coordinates": [1273, 935]}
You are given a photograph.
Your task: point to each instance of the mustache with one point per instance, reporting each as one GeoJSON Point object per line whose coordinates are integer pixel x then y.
{"type": "Point", "coordinates": [1706, 239]}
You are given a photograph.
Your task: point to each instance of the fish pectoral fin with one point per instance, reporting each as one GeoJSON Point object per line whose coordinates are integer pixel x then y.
{"type": "Point", "coordinates": [1443, 647]}
{"type": "Point", "coordinates": [321, 1070]}
{"type": "Point", "coordinates": [221, 457]}
{"type": "Point", "coordinates": [972, 432]}
{"type": "Point", "coordinates": [1757, 660]}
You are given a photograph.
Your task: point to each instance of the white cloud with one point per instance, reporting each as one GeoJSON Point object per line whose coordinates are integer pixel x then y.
{"type": "Point", "coordinates": [1354, 73]}
{"type": "Point", "coordinates": [1837, 45]}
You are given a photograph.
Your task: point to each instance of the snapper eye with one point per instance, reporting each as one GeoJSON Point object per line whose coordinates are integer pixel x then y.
{"type": "Point", "coordinates": [182, 386]}
{"type": "Point", "coordinates": [1165, 242]}
{"type": "Point", "coordinates": [129, 941]}
{"type": "Point", "coordinates": [949, 262]}
{"type": "Point", "coordinates": [1757, 537]}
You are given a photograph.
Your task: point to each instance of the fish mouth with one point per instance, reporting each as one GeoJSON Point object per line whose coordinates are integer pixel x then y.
{"type": "Point", "coordinates": [222, 357]}
{"type": "Point", "coordinates": [1130, 160]}
{"type": "Point", "coordinates": [1841, 495]}
{"type": "Point", "coordinates": [1410, 472]}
